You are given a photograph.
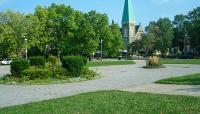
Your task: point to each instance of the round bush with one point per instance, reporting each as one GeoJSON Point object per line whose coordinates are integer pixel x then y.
{"type": "Point", "coordinates": [153, 61]}
{"type": "Point", "coordinates": [73, 64]}
{"type": "Point", "coordinates": [18, 66]}
{"type": "Point", "coordinates": [37, 73]}
{"type": "Point", "coordinates": [52, 61]}
{"type": "Point", "coordinates": [38, 61]}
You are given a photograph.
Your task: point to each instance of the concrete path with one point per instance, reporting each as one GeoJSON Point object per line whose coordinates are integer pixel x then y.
{"type": "Point", "coordinates": [188, 90]}
{"type": "Point", "coordinates": [4, 70]}
{"type": "Point", "coordinates": [115, 77]}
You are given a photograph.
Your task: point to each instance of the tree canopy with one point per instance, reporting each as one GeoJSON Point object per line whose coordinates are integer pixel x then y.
{"type": "Point", "coordinates": [180, 37]}
{"type": "Point", "coordinates": [57, 29]}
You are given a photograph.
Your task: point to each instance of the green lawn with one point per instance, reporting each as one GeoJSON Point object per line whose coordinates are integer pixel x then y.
{"type": "Point", "coordinates": [193, 79]}
{"type": "Point", "coordinates": [180, 61]}
{"type": "Point", "coordinates": [108, 63]}
{"type": "Point", "coordinates": [111, 102]}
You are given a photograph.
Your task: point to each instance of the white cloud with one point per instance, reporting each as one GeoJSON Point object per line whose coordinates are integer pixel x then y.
{"type": "Point", "coordinates": [165, 1]}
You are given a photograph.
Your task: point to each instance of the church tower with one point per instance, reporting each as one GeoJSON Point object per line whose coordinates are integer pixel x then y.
{"type": "Point", "coordinates": [128, 24]}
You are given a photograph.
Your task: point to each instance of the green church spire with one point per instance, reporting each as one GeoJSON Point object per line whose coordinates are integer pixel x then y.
{"type": "Point", "coordinates": [128, 15]}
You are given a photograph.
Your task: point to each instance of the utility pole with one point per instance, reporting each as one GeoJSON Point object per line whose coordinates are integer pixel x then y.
{"type": "Point", "coordinates": [26, 48]}
{"type": "Point", "coordinates": [101, 50]}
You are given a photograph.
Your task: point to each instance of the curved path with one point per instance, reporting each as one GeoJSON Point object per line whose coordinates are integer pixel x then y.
{"type": "Point", "coordinates": [125, 77]}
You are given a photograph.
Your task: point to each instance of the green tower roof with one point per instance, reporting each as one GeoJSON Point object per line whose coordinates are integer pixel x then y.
{"type": "Point", "coordinates": [128, 15]}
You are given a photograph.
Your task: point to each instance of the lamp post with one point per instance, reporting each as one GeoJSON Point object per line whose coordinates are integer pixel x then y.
{"type": "Point", "coordinates": [101, 50]}
{"type": "Point", "coordinates": [26, 49]}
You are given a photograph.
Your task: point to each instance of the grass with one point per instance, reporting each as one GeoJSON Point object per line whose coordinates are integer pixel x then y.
{"type": "Point", "coordinates": [180, 61]}
{"type": "Point", "coordinates": [193, 79]}
{"type": "Point", "coordinates": [111, 102]}
{"type": "Point", "coordinates": [108, 63]}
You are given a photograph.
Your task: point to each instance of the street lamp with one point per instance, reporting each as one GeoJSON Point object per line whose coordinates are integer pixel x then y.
{"type": "Point", "coordinates": [101, 50]}
{"type": "Point", "coordinates": [26, 48]}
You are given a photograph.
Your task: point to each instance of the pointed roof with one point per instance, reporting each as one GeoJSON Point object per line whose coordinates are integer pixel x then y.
{"type": "Point", "coordinates": [128, 15]}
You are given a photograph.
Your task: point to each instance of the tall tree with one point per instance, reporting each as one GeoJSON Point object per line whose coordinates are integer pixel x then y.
{"type": "Point", "coordinates": [116, 40]}
{"type": "Point", "coordinates": [84, 42]}
{"type": "Point", "coordinates": [194, 29]}
{"type": "Point", "coordinates": [179, 31]}
{"type": "Point", "coordinates": [16, 27]}
{"type": "Point", "coordinates": [150, 38]}
{"type": "Point", "coordinates": [164, 36]}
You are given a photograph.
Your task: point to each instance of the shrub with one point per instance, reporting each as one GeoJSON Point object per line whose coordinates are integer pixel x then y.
{"type": "Point", "coordinates": [85, 60]}
{"type": "Point", "coordinates": [18, 66]}
{"type": "Point", "coordinates": [37, 73]}
{"type": "Point", "coordinates": [87, 73]}
{"type": "Point", "coordinates": [38, 61]}
{"type": "Point", "coordinates": [52, 61]}
{"type": "Point", "coordinates": [153, 61]}
{"type": "Point", "coordinates": [73, 64]}
{"type": "Point", "coordinates": [61, 73]}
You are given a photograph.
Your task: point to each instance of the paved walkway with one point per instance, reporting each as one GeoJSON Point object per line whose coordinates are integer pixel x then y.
{"type": "Point", "coordinates": [4, 70]}
{"type": "Point", "coordinates": [188, 90]}
{"type": "Point", "coordinates": [116, 77]}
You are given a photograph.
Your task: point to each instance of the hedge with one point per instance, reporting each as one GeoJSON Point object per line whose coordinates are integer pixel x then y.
{"type": "Point", "coordinates": [37, 73]}
{"type": "Point", "coordinates": [73, 64]}
{"type": "Point", "coordinates": [38, 61]}
{"type": "Point", "coordinates": [18, 66]}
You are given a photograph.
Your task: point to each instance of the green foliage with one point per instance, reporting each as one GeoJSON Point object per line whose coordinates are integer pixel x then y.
{"type": "Point", "coordinates": [61, 73]}
{"type": "Point", "coordinates": [85, 60]}
{"type": "Point", "coordinates": [55, 29]}
{"type": "Point", "coordinates": [88, 74]}
{"type": "Point", "coordinates": [60, 28]}
{"type": "Point", "coordinates": [37, 73]}
{"type": "Point", "coordinates": [38, 61]}
{"type": "Point", "coordinates": [164, 36]}
{"type": "Point", "coordinates": [115, 41]}
{"type": "Point", "coordinates": [73, 64]}
{"type": "Point", "coordinates": [179, 31]}
{"type": "Point", "coordinates": [52, 61]}
{"type": "Point", "coordinates": [158, 37]}
{"type": "Point", "coordinates": [193, 29]}
{"type": "Point", "coordinates": [186, 32]}
{"type": "Point", "coordinates": [18, 66]}
{"type": "Point", "coordinates": [136, 46]}
{"type": "Point", "coordinates": [112, 102]}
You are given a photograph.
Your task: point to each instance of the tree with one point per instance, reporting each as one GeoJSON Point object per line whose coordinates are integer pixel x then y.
{"type": "Point", "coordinates": [164, 36]}
{"type": "Point", "coordinates": [103, 32]}
{"type": "Point", "coordinates": [116, 40]}
{"type": "Point", "coordinates": [194, 29]}
{"type": "Point", "coordinates": [136, 46]}
{"type": "Point", "coordinates": [15, 27]}
{"type": "Point", "coordinates": [84, 42]}
{"type": "Point", "coordinates": [158, 37]}
{"type": "Point", "coordinates": [6, 41]}
{"type": "Point", "coordinates": [179, 32]}
{"type": "Point", "coordinates": [57, 29]}
{"type": "Point", "coordinates": [150, 38]}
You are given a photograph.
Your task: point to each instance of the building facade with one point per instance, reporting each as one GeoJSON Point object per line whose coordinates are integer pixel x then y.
{"type": "Point", "coordinates": [130, 31]}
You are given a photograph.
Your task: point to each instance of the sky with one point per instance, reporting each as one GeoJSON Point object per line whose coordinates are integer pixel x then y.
{"type": "Point", "coordinates": [144, 10]}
